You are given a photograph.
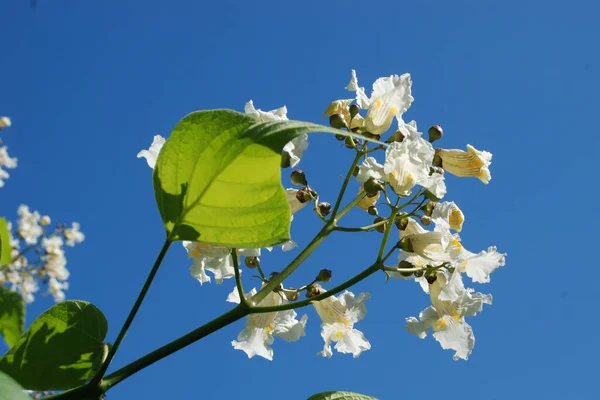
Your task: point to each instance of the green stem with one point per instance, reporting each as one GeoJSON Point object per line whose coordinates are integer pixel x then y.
{"type": "Point", "coordinates": [238, 279]}
{"type": "Point", "coordinates": [350, 205]}
{"type": "Point", "coordinates": [228, 318]}
{"type": "Point", "coordinates": [338, 202]}
{"type": "Point", "coordinates": [350, 282]}
{"type": "Point", "coordinates": [276, 280]}
{"type": "Point", "coordinates": [133, 312]}
{"type": "Point", "coordinates": [362, 228]}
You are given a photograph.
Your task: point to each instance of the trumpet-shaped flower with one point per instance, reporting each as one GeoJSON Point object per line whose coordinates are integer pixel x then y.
{"type": "Point", "coordinates": [447, 216]}
{"type": "Point", "coordinates": [391, 97]}
{"type": "Point", "coordinates": [29, 225]}
{"type": "Point", "coordinates": [467, 163]}
{"type": "Point", "coordinates": [258, 335]}
{"type": "Point", "coordinates": [451, 303]}
{"type": "Point", "coordinates": [407, 164]}
{"type": "Point", "coordinates": [208, 257]}
{"type": "Point", "coordinates": [339, 314]}
{"type": "Point", "coordinates": [73, 235]}
{"type": "Point", "coordinates": [152, 153]}
{"type": "Point", "coordinates": [296, 147]}
{"type": "Point", "coordinates": [479, 266]}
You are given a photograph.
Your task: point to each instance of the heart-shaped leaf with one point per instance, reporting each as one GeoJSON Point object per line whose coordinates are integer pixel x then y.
{"type": "Point", "coordinates": [62, 349]}
{"type": "Point", "coordinates": [218, 179]}
{"type": "Point", "coordinates": [340, 396]}
{"type": "Point", "coordinates": [12, 316]}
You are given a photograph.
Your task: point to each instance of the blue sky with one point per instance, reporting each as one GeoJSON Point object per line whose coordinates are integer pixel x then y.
{"type": "Point", "coordinates": [88, 83]}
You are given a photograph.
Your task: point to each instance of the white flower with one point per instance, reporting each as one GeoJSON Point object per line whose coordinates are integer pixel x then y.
{"type": "Point", "coordinates": [390, 98]}
{"type": "Point", "coordinates": [407, 164]}
{"type": "Point", "coordinates": [296, 147]}
{"type": "Point", "coordinates": [208, 257]}
{"type": "Point", "coordinates": [258, 335]}
{"type": "Point", "coordinates": [7, 162]}
{"type": "Point", "coordinates": [57, 288]}
{"type": "Point", "coordinates": [339, 107]}
{"type": "Point", "coordinates": [152, 153]}
{"type": "Point", "coordinates": [451, 304]}
{"type": "Point", "coordinates": [74, 235]}
{"type": "Point", "coordinates": [339, 314]}
{"type": "Point", "coordinates": [4, 122]}
{"type": "Point", "coordinates": [467, 163]}
{"type": "Point", "coordinates": [447, 216]}
{"type": "Point", "coordinates": [479, 266]}
{"type": "Point", "coordinates": [370, 168]}
{"type": "Point", "coordinates": [29, 225]}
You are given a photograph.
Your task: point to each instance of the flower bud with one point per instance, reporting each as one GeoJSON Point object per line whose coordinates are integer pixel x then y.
{"type": "Point", "coordinates": [324, 276]}
{"type": "Point", "coordinates": [419, 273]}
{"type": "Point", "coordinates": [286, 159]}
{"type": "Point", "coordinates": [373, 186]}
{"type": "Point", "coordinates": [430, 196]}
{"type": "Point", "coordinates": [350, 143]}
{"type": "Point", "coordinates": [252, 262]}
{"type": "Point", "coordinates": [431, 277]}
{"type": "Point", "coordinates": [368, 201]}
{"type": "Point", "coordinates": [435, 133]}
{"type": "Point", "coordinates": [298, 178]}
{"type": "Point", "coordinates": [355, 171]}
{"type": "Point", "coordinates": [303, 195]}
{"type": "Point", "coordinates": [429, 207]}
{"type": "Point", "coordinates": [45, 220]}
{"type": "Point", "coordinates": [381, 228]}
{"type": "Point", "coordinates": [396, 137]}
{"type": "Point", "coordinates": [405, 245]}
{"type": "Point", "coordinates": [401, 222]}
{"type": "Point", "coordinates": [426, 220]}
{"type": "Point", "coordinates": [4, 122]}
{"type": "Point", "coordinates": [292, 296]}
{"type": "Point", "coordinates": [324, 208]}
{"type": "Point", "coordinates": [313, 290]}
{"type": "Point", "coordinates": [337, 121]}
{"type": "Point", "coordinates": [373, 211]}
{"type": "Point", "coordinates": [405, 265]}
{"type": "Point", "coordinates": [354, 109]}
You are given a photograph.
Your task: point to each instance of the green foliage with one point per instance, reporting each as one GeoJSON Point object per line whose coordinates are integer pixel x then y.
{"type": "Point", "coordinates": [340, 396]}
{"type": "Point", "coordinates": [5, 249]}
{"type": "Point", "coordinates": [10, 390]}
{"type": "Point", "coordinates": [12, 316]}
{"type": "Point", "coordinates": [221, 169]}
{"type": "Point", "coordinates": [62, 349]}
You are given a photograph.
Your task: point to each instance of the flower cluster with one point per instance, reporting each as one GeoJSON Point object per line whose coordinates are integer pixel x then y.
{"type": "Point", "coordinates": [410, 182]}
{"type": "Point", "coordinates": [5, 160]}
{"type": "Point", "coordinates": [38, 255]}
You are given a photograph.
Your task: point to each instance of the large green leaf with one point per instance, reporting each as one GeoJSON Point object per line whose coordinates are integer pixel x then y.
{"type": "Point", "coordinates": [340, 396]}
{"type": "Point", "coordinates": [62, 349]}
{"type": "Point", "coordinates": [218, 179]}
{"type": "Point", "coordinates": [12, 316]}
{"type": "Point", "coordinates": [11, 390]}
{"type": "Point", "coordinates": [5, 249]}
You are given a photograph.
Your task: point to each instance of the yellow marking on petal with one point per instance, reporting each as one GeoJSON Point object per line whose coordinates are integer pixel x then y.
{"type": "Point", "coordinates": [338, 335]}
{"type": "Point", "coordinates": [195, 252]}
{"type": "Point", "coordinates": [456, 244]}
{"type": "Point", "coordinates": [439, 325]}
{"type": "Point", "coordinates": [456, 316]}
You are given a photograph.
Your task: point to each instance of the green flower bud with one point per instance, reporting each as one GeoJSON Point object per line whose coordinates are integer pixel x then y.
{"type": "Point", "coordinates": [354, 109]}
{"type": "Point", "coordinates": [355, 171]}
{"type": "Point", "coordinates": [372, 187]}
{"type": "Point", "coordinates": [286, 160]}
{"type": "Point", "coordinates": [337, 121]}
{"type": "Point", "coordinates": [405, 265]}
{"type": "Point", "coordinates": [426, 220]}
{"type": "Point", "coordinates": [381, 228]}
{"type": "Point", "coordinates": [324, 208]}
{"type": "Point", "coordinates": [324, 276]}
{"type": "Point", "coordinates": [435, 133]}
{"type": "Point", "coordinates": [303, 195]}
{"type": "Point", "coordinates": [292, 296]}
{"type": "Point", "coordinates": [431, 277]}
{"type": "Point", "coordinates": [298, 178]}
{"type": "Point", "coordinates": [401, 222]}
{"type": "Point", "coordinates": [419, 273]}
{"type": "Point", "coordinates": [350, 142]}
{"type": "Point", "coordinates": [396, 137]}
{"type": "Point", "coordinates": [252, 262]}
{"type": "Point", "coordinates": [429, 207]}
{"type": "Point", "coordinates": [373, 211]}
{"type": "Point", "coordinates": [313, 290]}
{"type": "Point", "coordinates": [405, 245]}
{"type": "Point", "coordinates": [430, 196]}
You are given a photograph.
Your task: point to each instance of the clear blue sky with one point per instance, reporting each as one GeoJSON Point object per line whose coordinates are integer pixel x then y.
{"type": "Point", "coordinates": [88, 83]}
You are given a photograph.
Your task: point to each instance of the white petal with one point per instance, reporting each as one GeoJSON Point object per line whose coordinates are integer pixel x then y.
{"type": "Point", "coordinates": [289, 245]}
{"type": "Point", "coordinates": [479, 266]}
{"type": "Point", "coordinates": [370, 168]}
{"type": "Point", "coordinates": [419, 327]}
{"type": "Point", "coordinates": [295, 204]}
{"type": "Point", "coordinates": [234, 296]}
{"type": "Point", "coordinates": [296, 148]}
{"type": "Point", "coordinates": [254, 342]}
{"type": "Point", "coordinates": [287, 327]}
{"type": "Point", "coordinates": [455, 335]}
{"type": "Point", "coordinates": [361, 98]}
{"type": "Point", "coordinates": [355, 306]}
{"type": "Point", "coordinates": [279, 114]}
{"type": "Point", "coordinates": [152, 153]}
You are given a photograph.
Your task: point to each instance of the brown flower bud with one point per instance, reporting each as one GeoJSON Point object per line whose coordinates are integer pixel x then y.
{"type": "Point", "coordinates": [298, 178]}
{"type": "Point", "coordinates": [324, 276]}
{"type": "Point", "coordinates": [324, 208]}
{"type": "Point", "coordinates": [435, 133]}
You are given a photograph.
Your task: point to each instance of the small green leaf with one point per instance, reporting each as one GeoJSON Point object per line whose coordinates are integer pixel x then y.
{"type": "Point", "coordinates": [5, 249]}
{"type": "Point", "coordinates": [340, 396]}
{"type": "Point", "coordinates": [12, 315]}
{"type": "Point", "coordinates": [62, 349]}
{"type": "Point", "coordinates": [218, 179]}
{"type": "Point", "coordinates": [10, 389]}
